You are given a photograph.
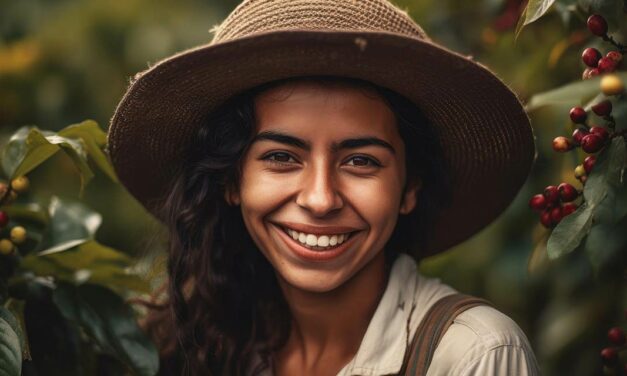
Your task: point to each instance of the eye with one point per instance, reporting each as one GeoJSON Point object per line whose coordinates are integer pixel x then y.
{"type": "Point", "coordinates": [362, 161]}
{"type": "Point", "coordinates": [280, 158]}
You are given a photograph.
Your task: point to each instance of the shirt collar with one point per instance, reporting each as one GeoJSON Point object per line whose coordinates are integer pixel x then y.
{"type": "Point", "coordinates": [383, 347]}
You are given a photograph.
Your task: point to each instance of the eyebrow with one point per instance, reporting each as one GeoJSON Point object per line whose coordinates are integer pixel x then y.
{"type": "Point", "coordinates": [349, 143]}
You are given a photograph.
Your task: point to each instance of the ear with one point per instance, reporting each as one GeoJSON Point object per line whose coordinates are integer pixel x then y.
{"type": "Point", "coordinates": [410, 196]}
{"type": "Point", "coordinates": [231, 196]}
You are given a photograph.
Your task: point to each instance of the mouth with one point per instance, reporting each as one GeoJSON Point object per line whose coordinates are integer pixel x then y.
{"type": "Point", "coordinates": [336, 245]}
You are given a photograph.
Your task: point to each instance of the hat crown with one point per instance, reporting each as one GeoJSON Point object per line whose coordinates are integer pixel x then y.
{"type": "Point", "coordinates": [259, 16]}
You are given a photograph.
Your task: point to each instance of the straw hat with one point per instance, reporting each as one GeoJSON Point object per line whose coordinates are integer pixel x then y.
{"type": "Point", "coordinates": [485, 133]}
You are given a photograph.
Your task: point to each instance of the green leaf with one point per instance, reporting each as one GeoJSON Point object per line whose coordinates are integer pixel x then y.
{"type": "Point", "coordinates": [72, 223]}
{"type": "Point", "coordinates": [75, 149]}
{"type": "Point", "coordinates": [10, 351]}
{"type": "Point", "coordinates": [95, 140]}
{"type": "Point", "coordinates": [606, 176]}
{"type": "Point", "coordinates": [533, 11]}
{"type": "Point", "coordinates": [579, 92]}
{"type": "Point", "coordinates": [26, 149]}
{"type": "Point", "coordinates": [605, 242]}
{"type": "Point", "coordinates": [570, 232]}
{"type": "Point", "coordinates": [110, 322]}
{"type": "Point", "coordinates": [31, 212]}
{"type": "Point", "coordinates": [607, 172]}
{"type": "Point", "coordinates": [573, 93]}
{"type": "Point", "coordinates": [16, 307]}
{"type": "Point", "coordinates": [89, 262]}
{"type": "Point", "coordinates": [29, 147]}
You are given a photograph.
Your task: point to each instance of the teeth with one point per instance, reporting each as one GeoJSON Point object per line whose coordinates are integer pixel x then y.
{"type": "Point", "coordinates": [317, 241]}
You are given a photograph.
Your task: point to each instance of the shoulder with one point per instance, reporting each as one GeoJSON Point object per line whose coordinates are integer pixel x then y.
{"type": "Point", "coordinates": [484, 341]}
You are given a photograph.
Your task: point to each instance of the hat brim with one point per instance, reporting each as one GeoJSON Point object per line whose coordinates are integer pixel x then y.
{"type": "Point", "coordinates": [486, 134]}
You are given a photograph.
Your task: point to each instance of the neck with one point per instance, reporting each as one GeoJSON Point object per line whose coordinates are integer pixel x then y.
{"type": "Point", "coordinates": [334, 321]}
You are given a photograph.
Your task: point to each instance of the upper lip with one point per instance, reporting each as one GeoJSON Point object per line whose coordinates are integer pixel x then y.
{"type": "Point", "coordinates": [318, 230]}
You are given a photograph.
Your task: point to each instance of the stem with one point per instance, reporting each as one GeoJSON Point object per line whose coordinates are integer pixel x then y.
{"type": "Point", "coordinates": [621, 48]}
{"type": "Point", "coordinates": [6, 194]}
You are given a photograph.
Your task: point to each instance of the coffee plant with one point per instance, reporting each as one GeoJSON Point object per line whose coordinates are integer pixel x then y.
{"type": "Point", "coordinates": [62, 293]}
{"type": "Point", "coordinates": [592, 217]}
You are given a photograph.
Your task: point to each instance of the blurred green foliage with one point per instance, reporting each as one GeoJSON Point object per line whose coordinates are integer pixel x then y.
{"type": "Point", "coordinates": [68, 60]}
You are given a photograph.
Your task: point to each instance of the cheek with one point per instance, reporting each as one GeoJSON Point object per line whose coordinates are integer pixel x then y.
{"type": "Point", "coordinates": [260, 193]}
{"type": "Point", "coordinates": [377, 200]}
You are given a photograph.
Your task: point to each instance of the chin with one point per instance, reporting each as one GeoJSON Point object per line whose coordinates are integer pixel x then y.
{"type": "Point", "coordinates": [313, 283]}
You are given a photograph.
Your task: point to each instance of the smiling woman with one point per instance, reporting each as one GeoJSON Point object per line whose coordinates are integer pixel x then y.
{"type": "Point", "coordinates": [299, 195]}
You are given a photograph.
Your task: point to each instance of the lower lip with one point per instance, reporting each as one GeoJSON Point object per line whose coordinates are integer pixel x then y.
{"type": "Point", "coordinates": [316, 256]}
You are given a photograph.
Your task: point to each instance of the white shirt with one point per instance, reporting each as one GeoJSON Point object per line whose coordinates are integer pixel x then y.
{"type": "Point", "coordinates": [481, 341]}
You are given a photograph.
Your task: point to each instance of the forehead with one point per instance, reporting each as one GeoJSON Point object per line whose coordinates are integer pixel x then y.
{"type": "Point", "coordinates": [337, 107]}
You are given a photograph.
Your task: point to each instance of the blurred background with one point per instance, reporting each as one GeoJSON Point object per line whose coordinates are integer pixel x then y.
{"type": "Point", "coordinates": [65, 61]}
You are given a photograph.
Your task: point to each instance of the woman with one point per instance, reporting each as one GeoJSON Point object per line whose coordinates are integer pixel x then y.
{"type": "Point", "coordinates": [298, 161]}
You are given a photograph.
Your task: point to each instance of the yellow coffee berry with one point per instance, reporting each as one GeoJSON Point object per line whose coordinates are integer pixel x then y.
{"type": "Point", "coordinates": [611, 84]}
{"type": "Point", "coordinates": [6, 247]}
{"type": "Point", "coordinates": [20, 184]}
{"type": "Point", "coordinates": [18, 234]}
{"type": "Point", "coordinates": [580, 171]}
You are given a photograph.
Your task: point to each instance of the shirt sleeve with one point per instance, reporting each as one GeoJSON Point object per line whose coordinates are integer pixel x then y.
{"type": "Point", "coordinates": [503, 360]}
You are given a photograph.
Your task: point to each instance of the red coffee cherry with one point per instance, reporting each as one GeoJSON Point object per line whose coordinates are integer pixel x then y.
{"type": "Point", "coordinates": [606, 65]}
{"type": "Point", "coordinates": [616, 335]}
{"type": "Point", "coordinates": [614, 55]}
{"type": "Point", "coordinates": [591, 143]}
{"type": "Point", "coordinates": [597, 25]}
{"type": "Point", "coordinates": [578, 135]}
{"type": "Point", "coordinates": [4, 218]}
{"type": "Point", "coordinates": [586, 73]}
{"type": "Point", "coordinates": [591, 57]}
{"type": "Point", "coordinates": [556, 214]}
{"type": "Point", "coordinates": [578, 115]}
{"type": "Point", "coordinates": [562, 144]}
{"type": "Point", "coordinates": [538, 202]}
{"type": "Point", "coordinates": [545, 218]}
{"type": "Point", "coordinates": [600, 131]}
{"type": "Point", "coordinates": [588, 163]}
{"type": "Point", "coordinates": [567, 192]}
{"type": "Point", "coordinates": [552, 195]}
{"type": "Point", "coordinates": [568, 208]}
{"type": "Point", "coordinates": [594, 72]}
{"type": "Point", "coordinates": [603, 108]}
{"type": "Point", "coordinates": [609, 355]}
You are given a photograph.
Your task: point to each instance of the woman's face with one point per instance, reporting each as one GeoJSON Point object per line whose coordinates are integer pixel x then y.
{"type": "Point", "coordinates": [326, 161]}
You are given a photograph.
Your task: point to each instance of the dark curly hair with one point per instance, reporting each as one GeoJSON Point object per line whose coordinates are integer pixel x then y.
{"type": "Point", "coordinates": [222, 302]}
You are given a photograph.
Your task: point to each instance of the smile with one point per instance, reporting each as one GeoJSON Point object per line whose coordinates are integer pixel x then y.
{"type": "Point", "coordinates": [302, 244]}
{"type": "Point", "coordinates": [317, 242]}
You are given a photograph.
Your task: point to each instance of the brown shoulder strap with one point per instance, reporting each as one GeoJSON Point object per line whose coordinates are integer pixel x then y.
{"type": "Point", "coordinates": [431, 329]}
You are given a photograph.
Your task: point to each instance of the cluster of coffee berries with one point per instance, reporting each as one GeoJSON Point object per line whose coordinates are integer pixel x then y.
{"type": "Point", "coordinates": [591, 139]}
{"type": "Point", "coordinates": [595, 61]}
{"type": "Point", "coordinates": [17, 234]}
{"type": "Point", "coordinates": [610, 354]}
{"type": "Point", "coordinates": [555, 203]}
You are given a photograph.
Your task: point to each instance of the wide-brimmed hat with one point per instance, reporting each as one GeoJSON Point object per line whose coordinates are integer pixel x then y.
{"type": "Point", "coordinates": [485, 133]}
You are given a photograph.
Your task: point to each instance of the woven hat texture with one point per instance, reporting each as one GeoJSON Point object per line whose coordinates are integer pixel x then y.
{"type": "Point", "coordinates": [486, 135]}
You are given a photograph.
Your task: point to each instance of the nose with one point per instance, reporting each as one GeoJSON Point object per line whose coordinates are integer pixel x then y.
{"type": "Point", "coordinates": [318, 193]}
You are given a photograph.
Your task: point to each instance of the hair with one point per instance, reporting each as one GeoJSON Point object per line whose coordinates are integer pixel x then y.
{"type": "Point", "coordinates": [223, 304]}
